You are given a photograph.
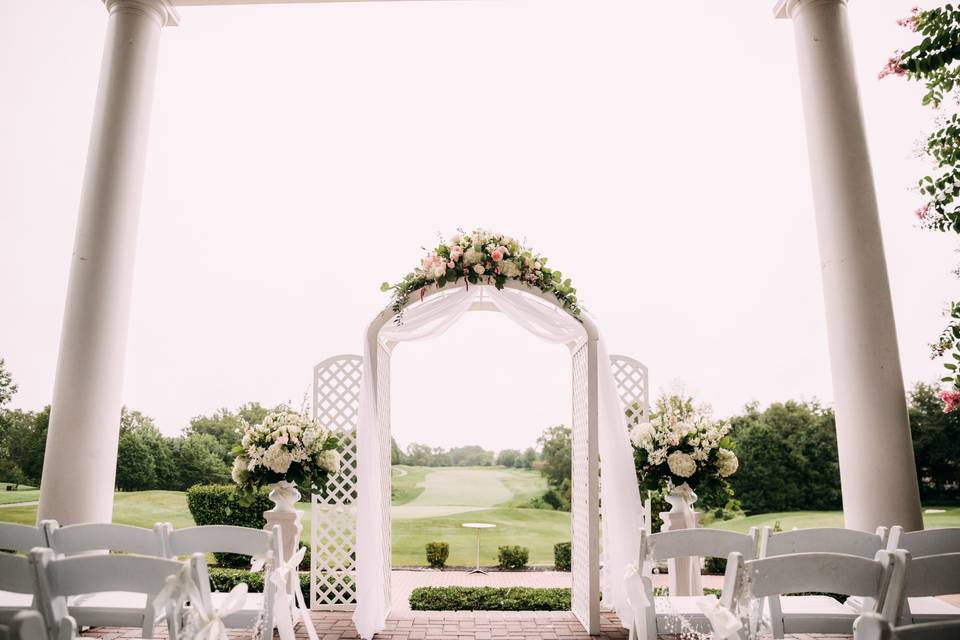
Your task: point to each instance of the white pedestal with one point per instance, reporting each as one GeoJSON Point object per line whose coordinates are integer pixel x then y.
{"type": "Point", "coordinates": [291, 526]}
{"type": "Point", "coordinates": [683, 573]}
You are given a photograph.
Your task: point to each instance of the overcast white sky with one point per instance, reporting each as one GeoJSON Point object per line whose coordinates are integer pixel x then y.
{"type": "Point", "coordinates": [302, 154]}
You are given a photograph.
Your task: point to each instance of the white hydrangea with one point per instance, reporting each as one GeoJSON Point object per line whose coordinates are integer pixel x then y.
{"type": "Point", "coordinates": [239, 471]}
{"type": "Point", "coordinates": [727, 462]}
{"type": "Point", "coordinates": [681, 464]}
{"type": "Point", "coordinates": [329, 460]}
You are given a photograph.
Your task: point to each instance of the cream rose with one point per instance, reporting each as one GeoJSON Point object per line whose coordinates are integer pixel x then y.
{"type": "Point", "coordinates": [509, 268]}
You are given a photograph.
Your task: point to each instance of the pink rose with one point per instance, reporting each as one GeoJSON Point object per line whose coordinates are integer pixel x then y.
{"type": "Point", "coordinates": [951, 400]}
{"type": "Point", "coordinates": [428, 262]}
{"type": "Point", "coordinates": [497, 255]}
{"type": "Point", "coordinates": [451, 264]}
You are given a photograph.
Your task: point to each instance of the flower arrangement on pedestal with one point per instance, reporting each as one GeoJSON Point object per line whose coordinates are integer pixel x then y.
{"type": "Point", "coordinates": [482, 257]}
{"type": "Point", "coordinates": [286, 451]}
{"type": "Point", "coordinates": [682, 447]}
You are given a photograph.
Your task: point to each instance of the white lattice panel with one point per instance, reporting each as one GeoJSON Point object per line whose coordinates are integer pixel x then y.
{"type": "Point", "coordinates": [579, 523]}
{"type": "Point", "coordinates": [336, 398]}
{"type": "Point", "coordinates": [630, 376]}
{"type": "Point", "coordinates": [386, 478]}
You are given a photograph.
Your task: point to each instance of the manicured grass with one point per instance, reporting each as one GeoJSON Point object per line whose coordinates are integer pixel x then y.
{"type": "Point", "coordinates": [535, 529]}
{"type": "Point", "coordinates": [407, 483]}
{"type": "Point", "coordinates": [810, 519]}
{"type": "Point", "coordinates": [26, 495]}
{"type": "Point", "coordinates": [16, 487]}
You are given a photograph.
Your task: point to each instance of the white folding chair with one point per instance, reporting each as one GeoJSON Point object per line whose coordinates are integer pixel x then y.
{"type": "Point", "coordinates": [872, 626]}
{"type": "Point", "coordinates": [803, 613]}
{"type": "Point", "coordinates": [263, 544]}
{"type": "Point", "coordinates": [25, 625]}
{"type": "Point", "coordinates": [913, 600]}
{"type": "Point", "coordinates": [16, 586]}
{"type": "Point", "coordinates": [673, 614]}
{"type": "Point", "coordinates": [929, 542]}
{"type": "Point", "coordinates": [749, 582]}
{"type": "Point", "coordinates": [113, 608]}
{"type": "Point", "coordinates": [58, 578]}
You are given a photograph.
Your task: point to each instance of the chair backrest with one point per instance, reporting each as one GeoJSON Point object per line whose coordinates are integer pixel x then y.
{"type": "Point", "coordinates": [25, 625]}
{"type": "Point", "coordinates": [15, 573]}
{"type": "Point", "coordinates": [820, 572]}
{"type": "Point", "coordinates": [221, 539]}
{"type": "Point", "coordinates": [821, 540]}
{"type": "Point", "coordinates": [872, 626]}
{"type": "Point", "coordinates": [929, 542]}
{"type": "Point", "coordinates": [101, 536]}
{"type": "Point", "coordinates": [932, 575]}
{"type": "Point", "coordinates": [712, 543]}
{"type": "Point", "coordinates": [61, 577]}
{"type": "Point", "coordinates": [20, 537]}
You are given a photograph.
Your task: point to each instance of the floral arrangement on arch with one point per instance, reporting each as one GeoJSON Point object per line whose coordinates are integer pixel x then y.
{"type": "Point", "coordinates": [482, 257]}
{"type": "Point", "coordinates": [681, 444]}
{"type": "Point", "coordinates": [288, 446]}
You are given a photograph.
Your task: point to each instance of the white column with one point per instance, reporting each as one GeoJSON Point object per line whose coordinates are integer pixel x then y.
{"type": "Point", "coordinates": [81, 453]}
{"type": "Point", "coordinates": [877, 470]}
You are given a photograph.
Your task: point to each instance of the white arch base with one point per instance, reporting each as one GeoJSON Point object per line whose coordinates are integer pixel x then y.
{"type": "Point", "coordinates": [336, 396]}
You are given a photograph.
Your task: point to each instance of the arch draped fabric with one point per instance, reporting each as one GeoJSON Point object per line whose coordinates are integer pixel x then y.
{"type": "Point", "coordinates": [619, 495]}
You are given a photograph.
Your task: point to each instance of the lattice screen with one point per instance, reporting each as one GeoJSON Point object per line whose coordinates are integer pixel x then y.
{"type": "Point", "coordinates": [580, 522]}
{"type": "Point", "coordinates": [336, 399]}
{"type": "Point", "coordinates": [630, 376]}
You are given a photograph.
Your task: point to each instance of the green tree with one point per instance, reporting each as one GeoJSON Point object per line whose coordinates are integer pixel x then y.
{"type": "Point", "coordinates": [226, 426]}
{"type": "Point", "coordinates": [936, 444]}
{"type": "Point", "coordinates": [508, 457]}
{"type": "Point", "coordinates": [530, 456]}
{"type": "Point", "coordinates": [136, 467]}
{"type": "Point", "coordinates": [7, 387]}
{"type": "Point", "coordinates": [556, 457]}
{"type": "Point", "coordinates": [198, 461]}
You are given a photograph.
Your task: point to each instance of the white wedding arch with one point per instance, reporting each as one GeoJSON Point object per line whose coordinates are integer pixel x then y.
{"type": "Point", "coordinates": [351, 526]}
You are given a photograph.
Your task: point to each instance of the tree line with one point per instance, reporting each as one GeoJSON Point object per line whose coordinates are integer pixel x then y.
{"type": "Point", "coordinates": [423, 455]}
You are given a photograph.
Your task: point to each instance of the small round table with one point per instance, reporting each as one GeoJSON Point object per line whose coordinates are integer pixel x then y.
{"type": "Point", "coordinates": [478, 526]}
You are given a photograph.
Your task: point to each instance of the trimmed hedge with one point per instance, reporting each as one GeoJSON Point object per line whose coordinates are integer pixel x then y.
{"type": "Point", "coordinates": [225, 579]}
{"type": "Point", "coordinates": [219, 504]}
{"type": "Point", "coordinates": [561, 556]}
{"type": "Point", "coordinates": [489, 599]}
{"type": "Point", "coordinates": [437, 554]}
{"type": "Point", "coordinates": [513, 557]}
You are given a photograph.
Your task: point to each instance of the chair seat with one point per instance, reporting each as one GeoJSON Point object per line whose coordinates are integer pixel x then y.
{"type": "Point", "coordinates": [674, 611]}
{"type": "Point", "coordinates": [932, 609]}
{"type": "Point", "coordinates": [245, 618]}
{"type": "Point", "coordinates": [816, 614]}
{"type": "Point", "coordinates": [109, 608]}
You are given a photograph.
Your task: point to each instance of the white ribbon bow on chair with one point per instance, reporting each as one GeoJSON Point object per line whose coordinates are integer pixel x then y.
{"type": "Point", "coordinates": [207, 621]}
{"type": "Point", "coordinates": [725, 625]}
{"type": "Point", "coordinates": [287, 576]}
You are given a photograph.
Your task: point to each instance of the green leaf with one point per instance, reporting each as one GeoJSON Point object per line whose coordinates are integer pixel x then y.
{"type": "Point", "coordinates": [386, 286]}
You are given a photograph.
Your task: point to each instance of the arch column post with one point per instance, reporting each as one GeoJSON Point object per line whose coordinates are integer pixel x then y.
{"type": "Point", "coordinates": [81, 452]}
{"type": "Point", "coordinates": [877, 472]}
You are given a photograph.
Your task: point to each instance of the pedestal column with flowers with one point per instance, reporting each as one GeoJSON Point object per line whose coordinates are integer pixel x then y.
{"type": "Point", "coordinates": [681, 447]}
{"type": "Point", "coordinates": [287, 452]}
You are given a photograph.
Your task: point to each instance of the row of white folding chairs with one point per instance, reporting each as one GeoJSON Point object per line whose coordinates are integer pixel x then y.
{"type": "Point", "coordinates": [119, 608]}
{"type": "Point", "coordinates": [52, 580]}
{"type": "Point", "coordinates": [786, 613]}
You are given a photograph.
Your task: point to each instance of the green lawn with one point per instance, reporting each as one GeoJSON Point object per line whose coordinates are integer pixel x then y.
{"type": "Point", "coordinates": [809, 519]}
{"type": "Point", "coordinates": [25, 495]}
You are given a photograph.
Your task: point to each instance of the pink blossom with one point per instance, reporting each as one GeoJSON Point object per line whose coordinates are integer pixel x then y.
{"type": "Point", "coordinates": [951, 400]}
{"type": "Point", "coordinates": [451, 264]}
{"type": "Point", "coordinates": [911, 21]}
{"type": "Point", "coordinates": [428, 262]}
{"type": "Point", "coordinates": [893, 67]}
{"type": "Point", "coordinates": [455, 253]}
{"type": "Point", "coordinates": [921, 213]}
{"type": "Point", "coordinates": [497, 255]}
{"type": "Point", "coordinates": [283, 440]}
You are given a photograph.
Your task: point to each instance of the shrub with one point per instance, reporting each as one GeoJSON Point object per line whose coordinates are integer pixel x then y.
{"type": "Point", "coordinates": [219, 504]}
{"type": "Point", "coordinates": [715, 566]}
{"type": "Point", "coordinates": [561, 556]}
{"type": "Point", "coordinates": [489, 599]}
{"type": "Point", "coordinates": [225, 579]}
{"type": "Point", "coordinates": [437, 553]}
{"type": "Point", "coordinates": [513, 557]}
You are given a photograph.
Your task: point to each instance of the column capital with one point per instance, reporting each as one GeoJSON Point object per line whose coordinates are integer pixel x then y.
{"type": "Point", "coordinates": [790, 8]}
{"type": "Point", "coordinates": [162, 11]}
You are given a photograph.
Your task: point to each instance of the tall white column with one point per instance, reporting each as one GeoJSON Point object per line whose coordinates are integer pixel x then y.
{"type": "Point", "coordinates": [81, 453]}
{"type": "Point", "coordinates": [877, 472]}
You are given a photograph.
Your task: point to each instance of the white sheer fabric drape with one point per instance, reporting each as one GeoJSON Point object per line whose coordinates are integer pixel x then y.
{"type": "Point", "coordinates": [620, 498]}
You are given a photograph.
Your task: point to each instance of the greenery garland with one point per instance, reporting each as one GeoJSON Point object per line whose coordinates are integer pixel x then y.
{"type": "Point", "coordinates": [482, 257]}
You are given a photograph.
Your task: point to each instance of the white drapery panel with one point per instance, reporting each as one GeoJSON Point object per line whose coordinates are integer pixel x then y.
{"type": "Point", "coordinates": [620, 497]}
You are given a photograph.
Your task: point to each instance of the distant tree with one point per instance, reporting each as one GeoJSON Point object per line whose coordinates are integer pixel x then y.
{"type": "Point", "coordinates": [556, 456]}
{"type": "Point", "coordinates": [225, 426]}
{"type": "Point", "coordinates": [396, 455]}
{"type": "Point", "coordinates": [133, 420]}
{"type": "Point", "coordinates": [7, 386]}
{"type": "Point", "coordinates": [529, 457]}
{"type": "Point", "coordinates": [508, 457]}
{"type": "Point", "coordinates": [936, 444]}
{"type": "Point", "coordinates": [198, 461]}
{"type": "Point", "coordinates": [136, 467]}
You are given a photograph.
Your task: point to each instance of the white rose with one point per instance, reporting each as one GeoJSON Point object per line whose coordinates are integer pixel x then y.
{"type": "Point", "coordinates": [439, 270]}
{"type": "Point", "coordinates": [681, 464]}
{"type": "Point", "coordinates": [509, 268]}
{"type": "Point", "coordinates": [727, 462]}
{"type": "Point", "coordinates": [478, 269]}
{"type": "Point", "coordinates": [642, 435]}
{"type": "Point", "coordinates": [329, 460]}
